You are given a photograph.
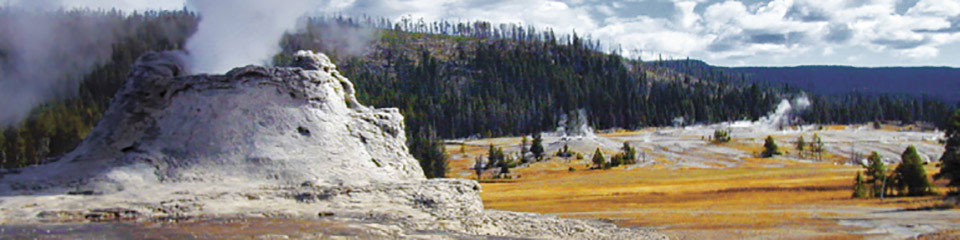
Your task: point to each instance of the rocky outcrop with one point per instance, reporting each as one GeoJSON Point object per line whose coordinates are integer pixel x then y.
{"type": "Point", "coordinates": [261, 142]}
{"type": "Point", "coordinates": [284, 125]}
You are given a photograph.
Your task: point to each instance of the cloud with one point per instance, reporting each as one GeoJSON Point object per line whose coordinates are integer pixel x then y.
{"type": "Point", "coordinates": [838, 33]}
{"type": "Point", "coordinates": [719, 31]}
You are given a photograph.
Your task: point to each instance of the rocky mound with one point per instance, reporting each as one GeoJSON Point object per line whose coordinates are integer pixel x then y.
{"type": "Point", "coordinates": [266, 142]}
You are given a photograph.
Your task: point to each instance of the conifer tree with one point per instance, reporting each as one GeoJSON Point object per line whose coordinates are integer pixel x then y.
{"type": "Point", "coordinates": [859, 188]}
{"type": "Point", "coordinates": [478, 167]}
{"type": "Point", "coordinates": [876, 174]}
{"type": "Point", "coordinates": [950, 160]}
{"type": "Point", "coordinates": [770, 148]}
{"type": "Point", "coordinates": [816, 146]}
{"type": "Point", "coordinates": [911, 177]}
{"type": "Point", "coordinates": [536, 147]}
{"type": "Point", "coordinates": [599, 161]}
{"type": "Point", "coordinates": [801, 144]}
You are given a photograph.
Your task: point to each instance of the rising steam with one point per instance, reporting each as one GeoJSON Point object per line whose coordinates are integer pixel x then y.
{"type": "Point", "coordinates": [240, 32]}
{"type": "Point", "coordinates": [44, 52]}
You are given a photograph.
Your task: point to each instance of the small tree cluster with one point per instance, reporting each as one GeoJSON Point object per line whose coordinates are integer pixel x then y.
{"type": "Point", "coordinates": [536, 147]}
{"type": "Point", "coordinates": [721, 136]}
{"type": "Point", "coordinates": [950, 160]}
{"type": "Point", "coordinates": [816, 146]}
{"type": "Point", "coordinates": [564, 152]}
{"type": "Point", "coordinates": [908, 179]}
{"type": "Point", "coordinates": [859, 187]}
{"type": "Point", "coordinates": [770, 148]}
{"type": "Point", "coordinates": [495, 157]}
{"type": "Point", "coordinates": [428, 149]}
{"type": "Point", "coordinates": [523, 148]}
{"type": "Point", "coordinates": [801, 146]}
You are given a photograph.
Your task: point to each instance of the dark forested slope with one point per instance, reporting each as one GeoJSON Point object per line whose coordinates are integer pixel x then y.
{"type": "Point", "coordinates": [942, 83]}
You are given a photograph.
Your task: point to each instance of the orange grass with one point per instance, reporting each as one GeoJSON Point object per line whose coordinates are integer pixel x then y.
{"type": "Point", "coordinates": [747, 201]}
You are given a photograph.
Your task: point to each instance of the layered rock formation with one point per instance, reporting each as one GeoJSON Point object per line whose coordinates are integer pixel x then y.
{"type": "Point", "coordinates": [269, 142]}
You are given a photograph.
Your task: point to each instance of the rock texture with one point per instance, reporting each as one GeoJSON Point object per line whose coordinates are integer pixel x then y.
{"type": "Point", "coordinates": [254, 124]}
{"type": "Point", "coordinates": [262, 142]}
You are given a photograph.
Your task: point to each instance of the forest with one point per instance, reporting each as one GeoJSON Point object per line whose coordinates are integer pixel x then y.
{"type": "Point", "coordinates": [457, 80]}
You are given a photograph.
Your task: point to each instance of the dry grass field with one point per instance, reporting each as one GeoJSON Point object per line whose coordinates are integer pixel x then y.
{"type": "Point", "coordinates": [797, 200]}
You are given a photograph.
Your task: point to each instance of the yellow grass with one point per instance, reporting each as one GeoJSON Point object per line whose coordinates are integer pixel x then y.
{"type": "Point", "coordinates": [749, 201]}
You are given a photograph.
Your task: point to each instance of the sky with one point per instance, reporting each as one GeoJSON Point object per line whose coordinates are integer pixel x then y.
{"type": "Point", "coordinates": [720, 32]}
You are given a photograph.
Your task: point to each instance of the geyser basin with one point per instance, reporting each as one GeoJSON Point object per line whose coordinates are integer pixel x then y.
{"type": "Point", "coordinates": [266, 143]}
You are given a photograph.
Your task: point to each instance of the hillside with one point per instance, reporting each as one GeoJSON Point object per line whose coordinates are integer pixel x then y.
{"type": "Point", "coordinates": [936, 82]}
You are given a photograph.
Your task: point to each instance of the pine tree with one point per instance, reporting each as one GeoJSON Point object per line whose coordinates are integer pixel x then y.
{"type": "Point", "coordinates": [911, 176]}
{"type": "Point", "coordinates": [816, 146]}
{"type": "Point", "coordinates": [478, 167]}
{"type": "Point", "coordinates": [536, 147]}
{"type": "Point", "coordinates": [599, 161]}
{"type": "Point", "coordinates": [428, 149]}
{"type": "Point", "coordinates": [629, 154]}
{"type": "Point", "coordinates": [876, 174]}
{"type": "Point", "coordinates": [801, 144]}
{"type": "Point", "coordinates": [859, 188]}
{"type": "Point", "coordinates": [950, 160]}
{"type": "Point", "coordinates": [495, 156]}
{"type": "Point", "coordinates": [523, 148]}
{"type": "Point", "coordinates": [770, 148]}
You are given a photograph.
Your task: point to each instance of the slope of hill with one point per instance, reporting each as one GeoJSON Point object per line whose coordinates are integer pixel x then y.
{"type": "Point", "coordinates": [942, 83]}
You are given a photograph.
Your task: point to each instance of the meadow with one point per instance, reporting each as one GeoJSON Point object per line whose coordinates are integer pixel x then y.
{"type": "Point", "coordinates": [794, 200]}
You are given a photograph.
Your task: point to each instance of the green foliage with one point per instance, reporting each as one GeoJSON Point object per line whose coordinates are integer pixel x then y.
{"type": "Point", "coordinates": [770, 148]}
{"type": "Point", "coordinates": [801, 145]}
{"type": "Point", "coordinates": [629, 154]}
{"type": "Point", "coordinates": [859, 187]}
{"type": "Point", "coordinates": [564, 151]}
{"type": "Point", "coordinates": [599, 161]}
{"type": "Point", "coordinates": [721, 136]}
{"type": "Point", "coordinates": [428, 149]}
{"type": "Point", "coordinates": [495, 157]}
{"type": "Point", "coordinates": [910, 177]}
{"type": "Point", "coordinates": [523, 148]}
{"type": "Point", "coordinates": [816, 146]}
{"type": "Point", "coordinates": [876, 172]}
{"type": "Point", "coordinates": [536, 147]}
{"type": "Point", "coordinates": [950, 160]}
{"type": "Point", "coordinates": [616, 160]}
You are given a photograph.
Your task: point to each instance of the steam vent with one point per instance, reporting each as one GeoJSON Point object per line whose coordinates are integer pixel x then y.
{"type": "Point", "coordinates": [262, 142]}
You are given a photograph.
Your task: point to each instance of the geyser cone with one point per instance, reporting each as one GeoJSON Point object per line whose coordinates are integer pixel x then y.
{"type": "Point", "coordinates": [252, 125]}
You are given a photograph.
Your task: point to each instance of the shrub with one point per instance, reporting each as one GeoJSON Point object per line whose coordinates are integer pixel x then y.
{"type": "Point", "coordinates": [721, 136]}
{"type": "Point", "coordinates": [770, 148]}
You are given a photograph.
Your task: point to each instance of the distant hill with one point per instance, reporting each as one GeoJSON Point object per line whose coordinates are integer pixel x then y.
{"type": "Point", "coordinates": [938, 82]}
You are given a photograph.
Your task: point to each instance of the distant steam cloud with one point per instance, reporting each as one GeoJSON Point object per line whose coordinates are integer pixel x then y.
{"type": "Point", "coordinates": [241, 32]}
{"type": "Point", "coordinates": [44, 53]}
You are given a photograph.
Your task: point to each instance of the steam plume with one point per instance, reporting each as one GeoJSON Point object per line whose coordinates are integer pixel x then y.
{"type": "Point", "coordinates": [44, 52]}
{"type": "Point", "coordinates": [240, 32]}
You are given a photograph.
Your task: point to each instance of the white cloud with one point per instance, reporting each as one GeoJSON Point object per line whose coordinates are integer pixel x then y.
{"type": "Point", "coordinates": [720, 31]}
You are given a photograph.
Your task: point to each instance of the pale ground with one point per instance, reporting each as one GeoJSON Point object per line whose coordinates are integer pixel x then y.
{"type": "Point", "coordinates": [690, 188]}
